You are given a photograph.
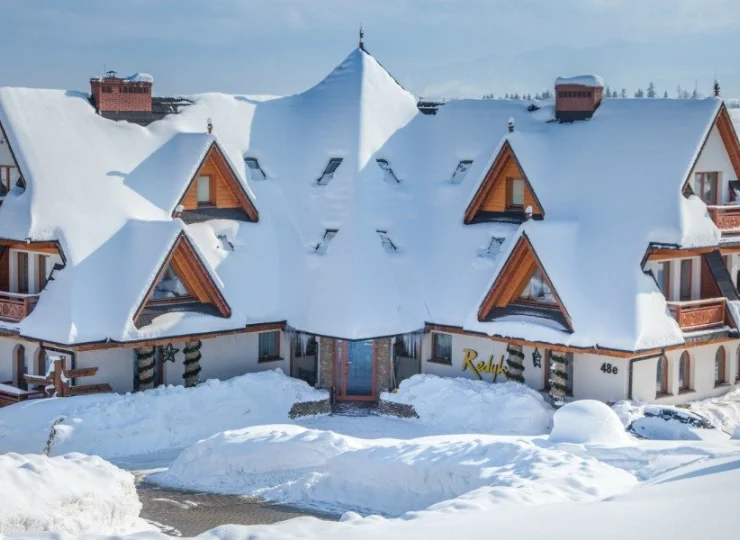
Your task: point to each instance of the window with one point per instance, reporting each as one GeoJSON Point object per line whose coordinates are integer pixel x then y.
{"type": "Point", "coordinates": [107, 89]}
{"type": "Point", "coordinates": [661, 376]}
{"type": "Point", "coordinates": [22, 270]}
{"type": "Point", "coordinates": [684, 372]}
{"type": "Point", "coordinates": [254, 168]}
{"type": "Point", "coordinates": [41, 271]}
{"type": "Point", "coordinates": [390, 176]}
{"type": "Point", "coordinates": [493, 247]}
{"type": "Point", "coordinates": [170, 286]}
{"type": "Point", "coordinates": [663, 278]}
{"type": "Point", "coordinates": [514, 193]}
{"type": "Point", "coordinates": [322, 246]}
{"type": "Point", "coordinates": [719, 366]}
{"type": "Point", "coordinates": [685, 292]}
{"type": "Point", "coordinates": [461, 170]}
{"type": "Point", "coordinates": [386, 241]}
{"type": "Point", "coordinates": [705, 187]}
{"type": "Point", "coordinates": [204, 190]}
{"type": "Point", "coordinates": [537, 290]}
{"type": "Point", "coordinates": [328, 173]}
{"type": "Point", "coordinates": [442, 348]}
{"type": "Point", "coordinates": [269, 346]}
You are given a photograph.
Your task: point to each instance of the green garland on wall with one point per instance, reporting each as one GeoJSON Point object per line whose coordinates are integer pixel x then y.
{"type": "Point", "coordinates": [515, 363]}
{"type": "Point", "coordinates": [192, 363]}
{"type": "Point", "coordinates": [558, 377]}
{"type": "Point", "coordinates": [145, 367]}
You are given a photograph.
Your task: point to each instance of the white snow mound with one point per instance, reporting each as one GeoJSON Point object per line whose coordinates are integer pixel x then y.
{"type": "Point", "coordinates": [457, 405]}
{"type": "Point", "coordinates": [73, 494]}
{"type": "Point", "coordinates": [165, 418]}
{"type": "Point", "coordinates": [588, 422]}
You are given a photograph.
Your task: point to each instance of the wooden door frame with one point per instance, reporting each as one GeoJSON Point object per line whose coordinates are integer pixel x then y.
{"type": "Point", "coordinates": [340, 378]}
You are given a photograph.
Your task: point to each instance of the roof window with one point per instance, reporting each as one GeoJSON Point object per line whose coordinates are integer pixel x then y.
{"type": "Point", "coordinates": [390, 176]}
{"type": "Point", "coordinates": [328, 173]}
{"type": "Point", "coordinates": [255, 170]}
{"type": "Point", "coordinates": [462, 169]}
{"type": "Point", "coordinates": [493, 248]}
{"type": "Point", "coordinates": [322, 246]}
{"type": "Point", "coordinates": [388, 244]}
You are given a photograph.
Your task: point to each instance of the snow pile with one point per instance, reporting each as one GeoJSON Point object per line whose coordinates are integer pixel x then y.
{"type": "Point", "coordinates": [331, 471]}
{"type": "Point", "coordinates": [465, 406]}
{"type": "Point", "coordinates": [164, 418]}
{"type": "Point", "coordinates": [73, 494]}
{"type": "Point", "coordinates": [723, 412]}
{"type": "Point", "coordinates": [588, 422]}
{"type": "Point", "coordinates": [236, 461]}
{"type": "Point", "coordinates": [584, 80]}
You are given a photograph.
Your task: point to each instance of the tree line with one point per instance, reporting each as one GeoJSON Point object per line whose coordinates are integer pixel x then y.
{"type": "Point", "coordinates": [650, 92]}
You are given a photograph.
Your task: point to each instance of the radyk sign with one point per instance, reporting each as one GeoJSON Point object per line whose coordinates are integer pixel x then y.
{"type": "Point", "coordinates": [469, 363]}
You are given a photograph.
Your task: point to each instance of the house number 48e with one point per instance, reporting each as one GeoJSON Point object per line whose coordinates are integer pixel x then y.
{"type": "Point", "coordinates": [608, 368]}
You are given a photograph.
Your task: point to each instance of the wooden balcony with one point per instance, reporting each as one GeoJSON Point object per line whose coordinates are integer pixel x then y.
{"type": "Point", "coordinates": [699, 314]}
{"type": "Point", "coordinates": [726, 218]}
{"type": "Point", "coordinates": [15, 307]}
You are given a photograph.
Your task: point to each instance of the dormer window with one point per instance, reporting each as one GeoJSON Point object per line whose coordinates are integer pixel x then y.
{"type": "Point", "coordinates": [204, 191]}
{"type": "Point", "coordinates": [706, 187]}
{"type": "Point", "coordinates": [390, 176]}
{"type": "Point", "coordinates": [537, 290]}
{"type": "Point", "coordinates": [461, 171]}
{"type": "Point", "coordinates": [328, 173]}
{"type": "Point", "coordinates": [254, 168]}
{"type": "Point", "coordinates": [170, 286]}
{"type": "Point", "coordinates": [514, 193]}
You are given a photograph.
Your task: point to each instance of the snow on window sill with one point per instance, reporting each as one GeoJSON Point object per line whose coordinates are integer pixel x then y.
{"type": "Point", "coordinates": [685, 391]}
{"type": "Point", "coordinates": [445, 361]}
{"type": "Point", "coordinates": [661, 395]}
{"type": "Point", "coordinates": [721, 385]}
{"type": "Point", "coordinates": [270, 359]}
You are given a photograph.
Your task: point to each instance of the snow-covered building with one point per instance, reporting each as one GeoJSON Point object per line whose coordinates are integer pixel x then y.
{"type": "Point", "coordinates": [352, 237]}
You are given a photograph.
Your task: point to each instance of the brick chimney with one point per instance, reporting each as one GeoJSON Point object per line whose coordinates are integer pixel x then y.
{"type": "Point", "coordinates": [576, 98]}
{"type": "Point", "coordinates": [114, 94]}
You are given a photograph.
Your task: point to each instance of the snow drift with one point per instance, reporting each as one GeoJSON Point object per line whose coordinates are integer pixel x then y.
{"type": "Point", "coordinates": [465, 406]}
{"type": "Point", "coordinates": [72, 494]}
{"type": "Point", "coordinates": [164, 418]}
{"type": "Point", "coordinates": [588, 422]}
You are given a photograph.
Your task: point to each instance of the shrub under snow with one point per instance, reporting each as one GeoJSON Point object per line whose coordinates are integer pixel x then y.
{"type": "Point", "coordinates": [457, 405]}
{"type": "Point", "coordinates": [588, 422]}
{"type": "Point", "coordinates": [73, 494]}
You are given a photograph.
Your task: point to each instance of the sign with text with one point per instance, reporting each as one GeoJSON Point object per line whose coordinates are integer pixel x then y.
{"type": "Point", "coordinates": [482, 366]}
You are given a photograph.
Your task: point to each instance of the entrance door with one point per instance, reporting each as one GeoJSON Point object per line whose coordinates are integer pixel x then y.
{"type": "Point", "coordinates": [356, 373]}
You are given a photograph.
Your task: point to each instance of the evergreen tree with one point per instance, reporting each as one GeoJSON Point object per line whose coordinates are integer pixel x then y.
{"type": "Point", "coordinates": [665, 94]}
{"type": "Point", "coordinates": [608, 92]}
{"type": "Point", "coordinates": [651, 90]}
{"type": "Point", "coordinates": [623, 95]}
{"type": "Point", "coordinates": [695, 94]}
{"type": "Point", "coordinates": [639, 93]}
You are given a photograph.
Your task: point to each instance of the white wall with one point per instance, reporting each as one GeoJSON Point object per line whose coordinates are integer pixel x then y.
{"type": "Point", "coordinates": [590, 382]}
{"type": "Point", "coordinates": [228, 356]}
{"type": "Point", "coordinates": [714, 158]}
{"type": "Point", "coordinates": [115, 367]}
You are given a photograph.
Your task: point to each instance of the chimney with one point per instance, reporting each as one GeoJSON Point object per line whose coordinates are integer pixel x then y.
{"type": "Point", "coordinates": [115, 94]}
{"type": "Point", "coordinates": [576, 98]}
{"type": "Point", "coordinates": [511, 125]}
{"type": "Point", "coordinates": [209, 126]}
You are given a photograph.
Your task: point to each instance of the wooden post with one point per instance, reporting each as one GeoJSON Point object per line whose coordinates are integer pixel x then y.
{"type": "Point", "coordinates": [59, 389]}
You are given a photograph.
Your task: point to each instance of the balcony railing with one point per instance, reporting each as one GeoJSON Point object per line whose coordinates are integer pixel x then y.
{"type": "Point", "coordinates": [15, 307]}
{"type": "Point", "coordinates": [726, 218]}
{"type": "Point", "coordinates": [699, 314]}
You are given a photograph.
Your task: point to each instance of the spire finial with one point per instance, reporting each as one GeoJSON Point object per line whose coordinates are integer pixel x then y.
{"type": "Point", "coordinates": [716, 87]}
{"type": "Point", "coordinates": [362, 35]}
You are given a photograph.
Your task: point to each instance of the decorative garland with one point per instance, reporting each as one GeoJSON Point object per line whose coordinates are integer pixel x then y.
{"type": "Point", "coordinates": [145, 368]}
{"type": "Point", "coordinates": [515, 363]}
{"type": "Point", "coordinates": [558, 378]}
{"type": "Point", "coordinates": [192, 363]}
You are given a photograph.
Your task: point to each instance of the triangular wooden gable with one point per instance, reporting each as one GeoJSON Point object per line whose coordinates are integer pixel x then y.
{"type": "Point", "coordinates": [514, 277]}
{"type": "Point", "coordinates": [491, 197]}
{"type": "Point", "coordinates": [226, 190]}
{"type": "Point", "coordinates": [200, 287]}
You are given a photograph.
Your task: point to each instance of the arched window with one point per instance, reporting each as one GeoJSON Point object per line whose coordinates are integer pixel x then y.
{"type": "Point", "coordinates": [661, 378]}
{"type": "Point", "coordinates": [42, 362]}
{"type": "Point", "coordinates": [719, 366]}
{"type": "Point", "coordinates": [684, 372]}
{"type": "Point", "coordinates": [20, 367]}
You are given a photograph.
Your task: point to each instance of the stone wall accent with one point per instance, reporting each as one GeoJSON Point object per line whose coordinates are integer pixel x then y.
{"type": "Point", "coordinates": [401, 410]}
{"type": "Point", "coordinates": [327, 362]}
{"type": "Point", "coordinates": [310, 408]}
{"type": "Point", "coordinates": [383, 358]}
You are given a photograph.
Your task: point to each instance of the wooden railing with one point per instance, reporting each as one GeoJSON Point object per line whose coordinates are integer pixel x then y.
{"type": "Point", "coordinates": [699, 314]}
{"type": "Point", "coordinates": [15, 307]}
{"type": "Point", "coordinates": [726, 218]}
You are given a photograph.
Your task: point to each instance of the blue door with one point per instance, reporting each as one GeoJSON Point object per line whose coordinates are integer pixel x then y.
{"type": "Point", "coordinates": [356, 360]}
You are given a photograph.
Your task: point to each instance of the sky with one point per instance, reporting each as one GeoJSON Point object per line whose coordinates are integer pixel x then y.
{"type": "Point", "coordinates": [449, 48]}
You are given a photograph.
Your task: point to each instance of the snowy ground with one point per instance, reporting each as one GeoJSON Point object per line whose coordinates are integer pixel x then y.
{"type": "Point", "coordinates": [480, 460]}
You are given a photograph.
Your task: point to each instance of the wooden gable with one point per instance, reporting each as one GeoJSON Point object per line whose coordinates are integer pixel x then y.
{"type": "Point", "coordinates": [194, 276]}
{"type": "Point", "coordinates": [226, 190]}
{"type": "Point", "coordinates": [492, 195]}
{"type": "Point", "coordinates": [515, 275]}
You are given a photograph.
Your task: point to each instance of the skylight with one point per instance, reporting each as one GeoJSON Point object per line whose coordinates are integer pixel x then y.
{"type": "Point", "coordinates": [462, 169]}
{"type": "Point", "coordinates": [493, 248]}
{"type": "Point", "coordinates": [387, 242]}
{"type": "Point", "coordinates": [390, 176]}
{"type": "Point", "coordinates": [328, 173]}
{"type": "Point", "coordinates": [255, 170]}
{"type": "Point", "coordinates": [322, 246]}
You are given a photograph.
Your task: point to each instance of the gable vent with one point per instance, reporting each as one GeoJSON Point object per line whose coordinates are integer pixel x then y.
{"type": "Point", "coordinates": [328, 173]}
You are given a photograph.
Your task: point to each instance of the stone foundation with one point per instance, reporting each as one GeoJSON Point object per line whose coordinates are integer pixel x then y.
{"type": "Point", "coordinates": [327, 362]}
{"type": "Point", "coordinates": [401, 410]}
{"type": "Point", "coordinates": [310, 408]}
{"type": "Point", "coordinates": [384, 368]}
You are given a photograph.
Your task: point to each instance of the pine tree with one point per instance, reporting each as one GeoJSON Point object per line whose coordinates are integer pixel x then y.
{"type": "Point", "coordinates": [665, 94]}
{"type": "Point", "coordinates": [623, 95]}
{"type": "Point", "coordinates": [608, 92]}
{"type": "Point", "coordinates": [639, 93]}
{"type": "Point", "coordinates": [651, 90]}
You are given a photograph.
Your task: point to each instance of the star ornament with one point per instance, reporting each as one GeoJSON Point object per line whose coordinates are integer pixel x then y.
{"type": "Point", "coordinates": [169, 352]}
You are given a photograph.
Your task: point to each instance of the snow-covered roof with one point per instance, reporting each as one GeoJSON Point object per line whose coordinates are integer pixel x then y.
{"type": "Point", "coordinates": [583, 80]}
{"type": "Point", "coordinates": [106, 191]}
{"type": "Point", "coordinates": [140, 77]}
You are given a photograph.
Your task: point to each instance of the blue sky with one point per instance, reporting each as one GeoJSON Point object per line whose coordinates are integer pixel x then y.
{"type": "Point", "coordinates": [434, 47]}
